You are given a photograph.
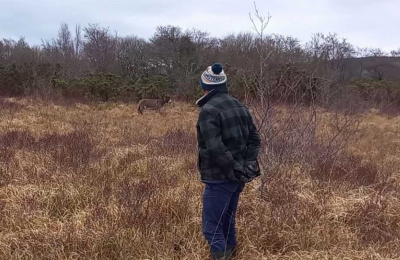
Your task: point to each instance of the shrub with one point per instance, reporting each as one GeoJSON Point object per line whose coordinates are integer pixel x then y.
{"type": "Point", "coordinates": [152, 87]}
{"type": "Point", "coordinates": [27, 78]}
{"type": "Point", "coordinates": [103, 85]}
{"type": "Point", "coordinates": [378, 92]}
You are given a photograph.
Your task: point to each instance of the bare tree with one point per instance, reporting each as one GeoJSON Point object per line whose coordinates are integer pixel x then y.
{"type": "Point", "coordinates": [100, 48]}
{"type": "Point", "coordinates": [181, 56]}
{"type": "Point", "coordinates": [395, 53]}
{"type": "Point", "coordinates": [328, 55]}
{"type": "Point", "coordinates": [262, 88]}
{"type": "Point", "coordinates": [64, 50]}
{"type": "Point", "coordinates": [132, 55]}
{"type": "Point", "coordinates": [17, 52]}
{"type": "Point", "coordinates": [78, 42]}
{"type": "Point", "coordinates": [377, 52]}
{"type": "Point", "coordinates": [287, 105]}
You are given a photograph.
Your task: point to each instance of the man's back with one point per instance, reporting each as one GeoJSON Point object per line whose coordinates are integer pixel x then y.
{"type": "Point", "coordinates": [227, 137]}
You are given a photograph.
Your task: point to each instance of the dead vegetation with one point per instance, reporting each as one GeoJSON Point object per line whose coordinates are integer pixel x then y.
{"type": "Point", "coordinates": [98, 181]}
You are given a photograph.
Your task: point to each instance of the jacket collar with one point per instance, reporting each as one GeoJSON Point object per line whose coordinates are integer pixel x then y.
{"type": "Point", "coordinates": [204, 99]}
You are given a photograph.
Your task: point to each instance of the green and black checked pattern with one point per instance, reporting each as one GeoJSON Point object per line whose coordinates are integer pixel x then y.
{"type": "Point", "coordinates": [227, 138]}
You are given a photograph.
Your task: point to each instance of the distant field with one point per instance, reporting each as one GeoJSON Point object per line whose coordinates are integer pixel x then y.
{"type": "Point", "coordinates": [100, 181]}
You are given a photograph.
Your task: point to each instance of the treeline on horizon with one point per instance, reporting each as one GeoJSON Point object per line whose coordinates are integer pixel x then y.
{"type": "Point", "coordinates": [96, 63]}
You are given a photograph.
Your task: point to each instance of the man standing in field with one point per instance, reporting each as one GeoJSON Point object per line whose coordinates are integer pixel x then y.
{"type": "Point", "coordinates": [228, 145]}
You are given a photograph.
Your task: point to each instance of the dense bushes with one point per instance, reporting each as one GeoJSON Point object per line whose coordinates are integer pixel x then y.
{"type": "Point", "coordinates": [99, 65]}
{"type": "Point", "coordinates": [287, 83]}
{"type": "Point", "coordinates": [381, 92]}
{"type": "Point", "coordinates": [152, 87]}
{"type": "Point", "coordinates": [27, 78]}
{"type": "Point", "coordinates": [106, 86]}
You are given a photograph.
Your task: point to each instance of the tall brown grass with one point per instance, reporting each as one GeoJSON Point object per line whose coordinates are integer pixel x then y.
{"type": "Point", "coordinates": [99, 181]}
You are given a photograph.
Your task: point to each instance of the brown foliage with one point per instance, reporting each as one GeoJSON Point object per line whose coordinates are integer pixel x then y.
{"type": "Point", "coordinates": [101, 182]}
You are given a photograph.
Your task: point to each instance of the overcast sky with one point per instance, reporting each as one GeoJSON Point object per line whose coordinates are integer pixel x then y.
{"type": "Point", "coordinates": [365, 23]}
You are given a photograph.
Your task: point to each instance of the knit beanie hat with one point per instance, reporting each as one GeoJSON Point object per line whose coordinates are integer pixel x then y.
{"type": "Point", "coordinates": [213, 77]}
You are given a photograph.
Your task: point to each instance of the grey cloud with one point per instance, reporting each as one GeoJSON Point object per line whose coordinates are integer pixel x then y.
{"type": "Point", "coordinates": [363, 22]}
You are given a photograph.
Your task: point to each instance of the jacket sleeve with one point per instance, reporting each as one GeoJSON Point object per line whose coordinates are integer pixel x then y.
{"type": "Point", "coordinates": [253, 143]}
{"type": "Point", "coordinates": [210, 129]}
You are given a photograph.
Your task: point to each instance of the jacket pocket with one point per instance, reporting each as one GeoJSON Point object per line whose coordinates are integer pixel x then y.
{"type": "Point", "coordinates": [205, 160]}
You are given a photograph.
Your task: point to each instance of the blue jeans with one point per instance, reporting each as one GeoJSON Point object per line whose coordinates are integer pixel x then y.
{"type": "Point", "coordinates": [220, 201]}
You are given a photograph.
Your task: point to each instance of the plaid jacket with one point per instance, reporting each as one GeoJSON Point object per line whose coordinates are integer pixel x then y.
{"type": "Point", "coordinates": [227, 137]}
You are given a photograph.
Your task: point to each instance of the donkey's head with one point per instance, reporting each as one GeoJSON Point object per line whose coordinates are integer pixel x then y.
{"type": "Point", "coordinates": [165, 99]}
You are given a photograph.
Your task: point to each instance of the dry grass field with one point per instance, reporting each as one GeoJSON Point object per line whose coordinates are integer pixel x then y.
{"type": "Point", "coordinates": [99, 181]}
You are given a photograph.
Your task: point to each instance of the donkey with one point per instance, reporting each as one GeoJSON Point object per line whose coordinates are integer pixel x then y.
{"type": "Point", "coordinates": [152, 104]}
